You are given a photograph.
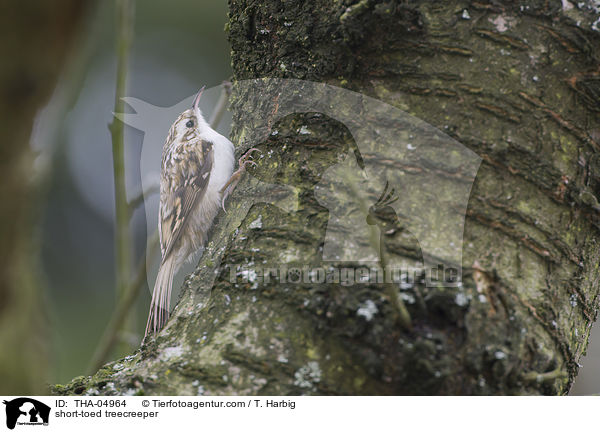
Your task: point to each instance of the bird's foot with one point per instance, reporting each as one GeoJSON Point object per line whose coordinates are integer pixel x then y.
{"type": "Point", "coordinates": [244, 161]}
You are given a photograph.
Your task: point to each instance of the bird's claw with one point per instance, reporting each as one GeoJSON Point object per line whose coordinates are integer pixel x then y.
{"type": "Point", "coordinates": [243, 162]}
{"type": "Point", "coordinates": [223, 203]}
{"type": "Point", "coordinates": [248, 155]}
{"type": "Point", "coordinates": [248, 162]}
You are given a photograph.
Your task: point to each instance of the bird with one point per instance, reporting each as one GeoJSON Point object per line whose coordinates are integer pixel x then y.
{"type": "Point", "coordinates": [196, 178]}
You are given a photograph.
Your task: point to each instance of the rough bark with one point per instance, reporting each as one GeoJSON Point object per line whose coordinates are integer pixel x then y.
{"type": "Point", "coordinates": [36, 36]}
{"type": "Point", "coordinates": [519, 85]}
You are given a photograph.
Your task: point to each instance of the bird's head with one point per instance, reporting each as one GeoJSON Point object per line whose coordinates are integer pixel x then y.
{"type": "Point", "coordinates": [190, 123]}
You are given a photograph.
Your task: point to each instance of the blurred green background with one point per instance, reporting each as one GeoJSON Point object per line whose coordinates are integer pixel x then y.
{"type": "Point", "coordinates": [178, 46]}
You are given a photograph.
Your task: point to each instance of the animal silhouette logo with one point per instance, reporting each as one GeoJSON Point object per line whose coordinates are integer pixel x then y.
{"type": "Point", "coordinates": [400, 163]}
{"type": "Point", "coordinates": [26, 411]}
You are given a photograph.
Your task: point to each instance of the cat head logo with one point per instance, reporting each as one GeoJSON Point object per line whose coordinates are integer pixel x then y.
{"type": "Point", "coordinates": [26, 412]}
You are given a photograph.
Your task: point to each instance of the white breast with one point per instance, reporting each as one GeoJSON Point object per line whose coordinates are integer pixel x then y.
{"type": "Point", "coordinates": [223, 164]}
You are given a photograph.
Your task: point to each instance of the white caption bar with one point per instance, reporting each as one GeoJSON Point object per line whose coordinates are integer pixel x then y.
{"type": "Point", "coordinates": [157, 413]}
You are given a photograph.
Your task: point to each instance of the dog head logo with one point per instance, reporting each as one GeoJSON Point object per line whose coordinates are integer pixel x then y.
{"type": "Point", "coordinates": [26, 411]}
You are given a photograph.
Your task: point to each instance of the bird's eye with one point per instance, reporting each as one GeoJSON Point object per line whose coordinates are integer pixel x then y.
{"type": "Point", "coordinates": [190, 123]}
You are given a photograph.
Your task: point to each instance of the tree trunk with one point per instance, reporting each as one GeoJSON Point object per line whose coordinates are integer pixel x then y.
{"type": "Point", "coordinates": [517, 86]}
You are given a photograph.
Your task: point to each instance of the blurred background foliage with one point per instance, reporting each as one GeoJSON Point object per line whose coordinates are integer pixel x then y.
{"type": "Point", "coordinates": [178, 46]}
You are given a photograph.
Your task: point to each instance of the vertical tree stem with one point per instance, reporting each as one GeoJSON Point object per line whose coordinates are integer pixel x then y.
{"type": "Point", "coordinates": [123, 243]}
{"type": "Point", "coordinates": [122, 234]}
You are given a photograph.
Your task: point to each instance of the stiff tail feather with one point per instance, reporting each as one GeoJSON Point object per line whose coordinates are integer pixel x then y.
{"type": "Point", "coordinates": [161, 297]}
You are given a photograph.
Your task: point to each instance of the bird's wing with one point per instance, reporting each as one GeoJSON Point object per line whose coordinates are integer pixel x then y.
{"type": "Point", "coordinates": [185, 182]}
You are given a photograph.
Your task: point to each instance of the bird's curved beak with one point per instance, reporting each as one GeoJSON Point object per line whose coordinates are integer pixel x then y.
{"type": "Point", "coordinates": [197, 98]}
